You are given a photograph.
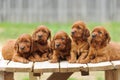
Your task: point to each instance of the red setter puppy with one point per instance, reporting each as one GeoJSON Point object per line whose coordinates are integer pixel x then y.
{"type": "Point", "coordinates": [80, 46]}
{"type": "Point", "coordinates": [18, 50]}
{"type": "Point", "coordinates": [61, 45]}
{"type": "Point", "coordinates": [41, 44]}
{"type": "Point", "coordinates": [101, 49]}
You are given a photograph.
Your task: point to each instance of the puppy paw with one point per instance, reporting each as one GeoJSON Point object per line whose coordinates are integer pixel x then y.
{"type": "Point", "coordinates": [25, 61]}
{"type": "Point", "coordinates": [94, 61]}
{"type": "Point", "coordinates": [45, 59]}
{"type": "Point", "coordinates": [72, 61]}
{"type": "Point", "coordinates": [54, 61]}
{"type": "Point", "coordinates": [82, 61]}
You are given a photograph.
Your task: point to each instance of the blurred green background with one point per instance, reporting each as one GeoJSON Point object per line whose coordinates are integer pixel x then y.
{"type": "Point", "coordinates": [13, 30]}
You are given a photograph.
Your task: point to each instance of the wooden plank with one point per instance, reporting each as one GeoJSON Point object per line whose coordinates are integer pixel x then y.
{"type": "Point", "coordinates": [32, 77]}
{"type": "Point", "coordinates": [100, 66]}
{"type": "Point", "coordinates": [65, 66]}
{"type": "Point", "coordinates": [6, 76]}
{"type": "Point", "coordinates": [116, 64]}
{"type": "Point", "coordinates": [1, 75]}
{"type": "Point", "coordinates": [46, 66]}
{"type": "Point", "coordinates": [19, 67]}
{"type": "Point", "coordinates": [3, 64]}
{"type": "Point", "coordinates": [60, 76]}
{"type": "Point", "coordinates": [111, 75]}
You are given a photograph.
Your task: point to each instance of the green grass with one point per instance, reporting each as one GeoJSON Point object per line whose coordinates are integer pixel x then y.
{"type": "Point", "coordinates": [72, 79]}
{"type": "Point", "coordinates": [13, 30]}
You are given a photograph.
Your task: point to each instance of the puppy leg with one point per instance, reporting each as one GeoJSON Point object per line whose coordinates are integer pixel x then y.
{"type": "Point", "coordinates": [82, 57]}
{"type": "Point", "coordinates": [18, 58]}
{"type": "Point", "coordinates": [35, 58]}
{"type": "Point", "coordinates": [55, 57]}
{"type": "Point", "coordinates": [73, 57]}
{"type": "Point", "coordinates": [68, 58]}
{"type": "Point", "coordinates": [45, 57]}
{"type": "Point", "coordinates": [100, 59]}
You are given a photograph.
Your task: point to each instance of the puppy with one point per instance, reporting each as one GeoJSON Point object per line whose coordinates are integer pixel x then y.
{"type": "Point", "coordinates": [80, 45]}
{"type": "Point", "coordinates": [101, 49]}
{"type": "Point", "coordinates": [41, 44]}
{"type": "Point", "coordinates": [61, 45]}
{"type": "Point", "coordinates": [18, 50]}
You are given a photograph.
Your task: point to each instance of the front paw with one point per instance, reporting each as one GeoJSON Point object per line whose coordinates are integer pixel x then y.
{"type": "Point", "coordinates": [94, 61]}
{"type": "Point", "coordinates": [83, 61]}
{"type": "Point", "coordinates": [25, 61]}
{"type": "Point", "coordinates": [72, 61]}
{"type": "Point", "coordinates": [54, 61]}
{"type": "Point", "coordinates": [45, 59]}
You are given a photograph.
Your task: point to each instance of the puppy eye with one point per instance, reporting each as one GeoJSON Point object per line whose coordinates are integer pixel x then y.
{"type": "Point", "coordinates": [78, 27]}
{"type": "Point", "coordinates": [63, 38]}
{"type": "Point", "coordinates": [99, 32]}
{"type": "Point", "coordinates": [44, 31]}
{"type": "Point", "coordinates": [26, 41]}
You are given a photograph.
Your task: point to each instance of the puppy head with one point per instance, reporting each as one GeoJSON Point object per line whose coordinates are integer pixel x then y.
{"type": "Point", "coordinates": [80, 31]}
{"type": "Point", "coordinates": [41, 34]}
{"type": "Point", "coordinates": [24, 44]}
{"type": "Point", "coordinates": [61, 41]}
{"type": "Point", "coordinates": [100, 35]}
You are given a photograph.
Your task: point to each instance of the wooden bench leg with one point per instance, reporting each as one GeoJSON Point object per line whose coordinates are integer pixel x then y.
{"type": "Point", "coordinates": [112, 74]}
{"type": "Point", "coordinates": [6, 76]}
{"type": "Point", "coordinates": [32, 77]}
{"type": "Point", "coordinates": [60, 76]}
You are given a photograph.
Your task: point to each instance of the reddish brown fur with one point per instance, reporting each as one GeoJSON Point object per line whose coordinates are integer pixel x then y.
{"type": "Point", "coordinates": [80, 45]}
{"type": "Point", "coordinates": [61, 45]}
{"type": "Point", "coordinates": [41, 48]}
{"type": "Point", "coordinates": [18, 50]}
{"type": "Point", "coordinates": [100, 48]}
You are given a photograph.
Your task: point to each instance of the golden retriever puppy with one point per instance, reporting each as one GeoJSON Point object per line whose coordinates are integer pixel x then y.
{"type": "Point", "coordinates": [41, 44]}
{"type": "Point", "coordinates": [80, 45]}
{"type": "Point", "coordinates": [18, 50]}
{"type": "Point", "coordinates": [61, 45]}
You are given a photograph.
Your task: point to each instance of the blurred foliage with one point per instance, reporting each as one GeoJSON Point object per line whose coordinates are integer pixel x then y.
{"type": "Point", "coordinates": [13, 30]}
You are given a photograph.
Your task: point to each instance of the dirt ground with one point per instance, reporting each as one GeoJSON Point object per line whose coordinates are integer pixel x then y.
{"type": "Point", "coordinates": [75, 76]}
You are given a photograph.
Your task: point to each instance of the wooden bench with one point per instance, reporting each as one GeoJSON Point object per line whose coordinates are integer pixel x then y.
{"type": "Point", "coordinates": [61, 71]}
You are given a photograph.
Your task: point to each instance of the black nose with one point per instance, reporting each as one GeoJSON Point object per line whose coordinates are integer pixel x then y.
{"type": "Point", "coordinates": [73, 32]}
{"type": "Point", "coordinates": [22, 48]}
{"type": "Point", "coordinates": [40, 36]}
{"type": "Point", "coordinates": [93, 35]}
{"type": "Point", "coordinates": [58, 45]}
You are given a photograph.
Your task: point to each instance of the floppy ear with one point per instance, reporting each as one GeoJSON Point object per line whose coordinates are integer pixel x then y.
{"type": "Point", "coordinates": [52, 44]}
{"type": "Point", "coordinates": [16, 47]}
{"type": "Point", "coordinates": [68, 44]}
{"type": "Point", "coordinates": [108, 38]}
{"type": "Point", "coordinates": [86, 34]}
{"type": "Point", "coordinates": [34, 35]}
{"type": "Point", "coordinates": [49, 36]}
{"type": "Point", "coordinates": [31, 47]}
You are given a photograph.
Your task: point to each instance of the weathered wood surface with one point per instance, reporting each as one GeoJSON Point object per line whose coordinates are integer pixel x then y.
{"type": "Point", "coordinates": [100, 66]}
{"type": "Point", "coordinates": [60, 76]}
{"type": "Point", "coordinates": [6, 76]}
{"type": "Point", "coordinates": [19, 67]}
{"type": "Point", "coordinates": [64, 66]}
{"type": "Point", "coordinates": [3, 64]}
{"type": "Point", "coordinates": [116, 64]}
{"type": "Point", "coordinates": [71, 67]}
{"type": "Point", "coordinates": [46, 67]}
